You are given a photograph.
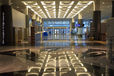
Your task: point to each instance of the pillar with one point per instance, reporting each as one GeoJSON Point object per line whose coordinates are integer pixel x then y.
{"type": "Point", "coordinates": [27, 25]}
{"type": "Point", "coordinates": [33, 30]}
{"type": "Point", "coordinates": [72, 26]}
{"type": "Point", "coordinates": [38, 19]}
{"type": "Point", "coordinates": [37, 27]}
{"type": "Point", "coordinates": [42, 27]}
{"type": "Point", "coordinates": [112, 8]}
{"type": "Point", "coordinates": [6, 27]}
{"type": "Point", "coordinates": [34, 19]}
{"type": "Point", "coordinates": [96, 20]}
{"type": "Point", "coordinates": [110, 37]}
{"type": "Point", "coordinates": [80, 22]}
{"type": "Point", "coordinates": [73, 23]}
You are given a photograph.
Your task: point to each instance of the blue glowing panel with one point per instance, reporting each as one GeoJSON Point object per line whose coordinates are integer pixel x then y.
{"type": "Point", "coordinates": [77, 25]}
{"type": "Point", "coordinates": [56, 23]}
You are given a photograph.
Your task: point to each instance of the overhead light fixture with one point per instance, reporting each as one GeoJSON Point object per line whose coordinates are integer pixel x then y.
{"type": "Point", "coordinates": [28, 6]}
{"type": "Point", "coordinates": [65, 13]}
{"type": "Point", "coordinates": [38, 7]}
{"type": "Point", "coordinates": [71, 15]}
{"type": "Point", "coordinates": [79, 3]}
{"type": "Point", "coordinates": [64, 8]}
{"type": "Point", "coordinates": [50, 8]}
{"type": "Point", "coordinates": [83, 8]}
{"type": "Point", "coordinates": [75, 7]}
{"type": "Point", "coordinates": [35, 4]}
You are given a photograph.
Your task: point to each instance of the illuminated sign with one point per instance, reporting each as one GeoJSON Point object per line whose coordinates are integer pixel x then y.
{"type": "Point", "coordinates": [57, 22]}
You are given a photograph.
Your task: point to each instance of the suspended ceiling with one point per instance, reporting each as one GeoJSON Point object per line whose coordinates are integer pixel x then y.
{"type": "Point", "coordinates": [57, 9]}
{"type": "Point", "coordinates": [65, 9]}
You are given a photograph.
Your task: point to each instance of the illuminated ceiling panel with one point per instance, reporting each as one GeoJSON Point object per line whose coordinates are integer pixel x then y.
{"type": "Point", "coordinates": [33, 5]}
{"type": "Point", "coordinates": [81, 5]}
{"type": "Point", "coordinates": [64, 7]}
{"type": "Point", "coordinates": [48, 9]}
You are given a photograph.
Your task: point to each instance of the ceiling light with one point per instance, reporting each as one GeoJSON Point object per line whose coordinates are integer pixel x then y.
{"type": "Point", "coordinates": [65, 13]}
{"type": "Point", "coordinates": [75, 7]}
{"type": "Point", "coordinates": [24, 3]}
{"type": "Point", "coordinates": [79, 3]}
{"type": "Point", "coordinates": [75, 11]}
{"type": "Point", "coordinates": [38, 7]}
{"type": "Point", "coordinates": [35, 4]}
{"type": "Point", "coordinates": [43, 3]}
{"type": "Point", "coordinates": [69, 6]}
{"type": "Point", "coordinates": [28, 6]}
{"type": "Point", "coordinates": [83, 8]}
{"type": "Point", "coordinates": [49, 7]}
{"type": "Point", "coordinates": [72, 3]}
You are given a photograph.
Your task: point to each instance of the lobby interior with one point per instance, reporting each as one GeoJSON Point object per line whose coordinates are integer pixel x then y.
{"type": "Point", "coordinates": [56, 38]}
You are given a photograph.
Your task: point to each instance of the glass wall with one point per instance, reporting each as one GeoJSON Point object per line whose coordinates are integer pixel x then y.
{"type": "Point", "coordinates": [57, 26]}
{"type": "Point", "coordinates": [85, 28]}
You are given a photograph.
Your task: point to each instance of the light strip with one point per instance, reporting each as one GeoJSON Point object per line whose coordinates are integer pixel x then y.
{"type": "Point", "coordinates": [68, 6]}
{"type": "Point", "coordinates": [66, 13]}
{"type": "Point", "coordinates": [46, 9]}
{"type": "Point", "coordinates": [33, 10]}
{"type": "Point", "coordinates": [48, 13]}
{"type": "Point", "coordinates": [83, 8]}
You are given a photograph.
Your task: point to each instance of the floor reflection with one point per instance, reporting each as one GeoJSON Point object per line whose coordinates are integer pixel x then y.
{"type": "Point", "coordinates": [65, 40]}
{"type": "Point", "coordinates": [57, 55]}
{"type": "Point", "coordinates": [62, 63]}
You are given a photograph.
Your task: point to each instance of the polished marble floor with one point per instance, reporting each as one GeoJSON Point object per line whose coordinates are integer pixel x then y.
{"type": "Point", "coordinates": [57, 55]}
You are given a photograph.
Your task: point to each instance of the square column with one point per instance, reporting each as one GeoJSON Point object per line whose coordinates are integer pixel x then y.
{"type": "Point", "coordinates": [97, 24]}
{"type": "Point", "coordinates": [6, 26]}
{"type": "Point", "coordinates": [113, 8]}
{"type": "Point", "coordinates": [96, 20]}
{"type": "Point", "coordinates": [33, 30]}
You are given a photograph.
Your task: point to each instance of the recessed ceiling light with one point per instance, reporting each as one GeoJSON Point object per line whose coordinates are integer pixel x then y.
{"type": "Point", "coordinates": [35, 4]}
{"type": "Point", "coordinates": [79, 3]}
{"type": "Point", "coordinates": [75, 7]}
{"type": "Point", "coordinates": [38, 7]}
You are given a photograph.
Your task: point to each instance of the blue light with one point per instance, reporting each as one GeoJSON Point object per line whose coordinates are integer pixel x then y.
{"type": "Point", "coordinates": [77, 25]}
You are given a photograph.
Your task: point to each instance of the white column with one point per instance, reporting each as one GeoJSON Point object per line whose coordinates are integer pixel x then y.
{"type": "Point", "coordinates": [79, 16]}
{"type": "Point", "coordinates": [37, 19]}
{"type": "Point", "coordinates": [34, 17]}
{"type": "Point", "coordinates": [26, 10]}
{"type": "Point", "coordinates": [80, 22]}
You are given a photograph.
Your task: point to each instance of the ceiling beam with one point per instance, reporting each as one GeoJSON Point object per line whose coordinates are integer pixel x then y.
{"type": "Point", "coordinates": [57, 7]}
{"type": "Point", "coordinates": [75, 3]}
{"type": "Point", "coordinates": [41, 6]}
